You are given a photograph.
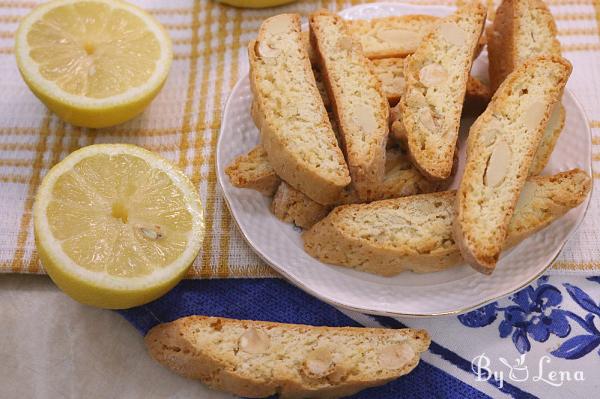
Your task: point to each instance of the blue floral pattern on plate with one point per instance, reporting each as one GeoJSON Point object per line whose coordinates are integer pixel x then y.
{"type": "Point", "coordinates": [535, 313]}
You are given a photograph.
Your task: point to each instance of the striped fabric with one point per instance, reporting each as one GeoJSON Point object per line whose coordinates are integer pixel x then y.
{"type": "Point", "coordinates": [183, 123]}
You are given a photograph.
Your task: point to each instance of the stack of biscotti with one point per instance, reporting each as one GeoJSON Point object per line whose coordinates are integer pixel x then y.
{"type": "Point", "coordinates": [377, 173]}
{"type": "Point", "coordinates": [523, 29]}
{"type": "Point", "coordinates": [391, 217]}
{"type": "Point", "coordinates": [258, 359]}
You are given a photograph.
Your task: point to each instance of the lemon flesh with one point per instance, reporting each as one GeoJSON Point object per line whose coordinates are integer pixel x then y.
{"type": "Point", "coordinates": [116, 226]}
{"type": "Point", "coordinates": [95, 63]}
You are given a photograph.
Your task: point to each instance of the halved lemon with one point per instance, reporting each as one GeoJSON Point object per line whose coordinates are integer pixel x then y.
{"type": "Point", "coordinates": [116, 226]}
{"type": "Point", "coordinates": [95, 63]}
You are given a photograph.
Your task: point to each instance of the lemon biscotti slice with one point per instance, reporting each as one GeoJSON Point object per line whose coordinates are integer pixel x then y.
{"type": "Point", "coordinates": [295, 130]}
{"type": "Point", "coordinates": [500, 149]}
{"type": "Point", "coordinates": [436, 79]}
{"type": "Point", "coordinates": [258, 359]}
{"type": "Point", "coordinates": [359, 105]}
{"type": "Point", "coordinates": [523, 29]}
{"type": "Point", "coordinates": [415, 233]}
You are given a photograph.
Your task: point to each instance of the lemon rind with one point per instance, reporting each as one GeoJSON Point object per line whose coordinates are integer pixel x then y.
{"type": "Point", "coordinates": [49, 89]}
{"type": "Point", "coordinates": [57, 256]}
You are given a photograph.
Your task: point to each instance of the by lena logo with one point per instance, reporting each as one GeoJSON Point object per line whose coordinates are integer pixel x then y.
{"type": "Point", "coordinates": [519, 371]}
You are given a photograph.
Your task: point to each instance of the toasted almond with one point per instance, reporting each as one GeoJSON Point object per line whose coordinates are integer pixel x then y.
{"type": "Point", "coordinates": [364, 117]}
{"type": "Point", "coordinates": [488, 137]}
{"type": "Point", "coordinates": [534, 114]}
{"type": "Point", "coordinates": [265, 50]}
{"type": "Point", "coordinates": [254, 341]}
{"type": "Point", "coordinates": [395, 356]}
{"type": "Point", "coordinates": [416, 99]}
{"type": "Point", "coordinates": [319, 363]}
{"type": "Point", "coordinates": [452, 33]}
{"type": "Point", "coordinates": [527, 195]}
{"type": "Point", "coordinates": [408, 38]}
{"type": "Point", "coordinates": [498, 164]}
{"type": "Point", "coordinates": [433, 75]}
{"type": "Point", "coordinates": [426, 119]}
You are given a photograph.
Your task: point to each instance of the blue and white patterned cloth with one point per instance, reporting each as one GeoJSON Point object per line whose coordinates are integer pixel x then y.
{"type": "Point", "coordinates": [543, 341]}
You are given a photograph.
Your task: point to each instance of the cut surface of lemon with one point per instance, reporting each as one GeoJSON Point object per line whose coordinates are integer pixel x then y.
{"type": "Point", "coordinates": [117, 226]}
{"type": "Point", "coordinates": [95, 63]}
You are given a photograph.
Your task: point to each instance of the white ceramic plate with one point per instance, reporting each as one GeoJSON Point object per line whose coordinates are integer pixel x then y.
{"type": "Point", "coordinates": [451, 291]}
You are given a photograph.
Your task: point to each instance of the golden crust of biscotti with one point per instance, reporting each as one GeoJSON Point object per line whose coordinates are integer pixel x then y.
{"type": "Point", "coordinates": [436, 79]}
{"type": "Point", "coordinates": [415, 233]}
{"type": "Point", "coordinates": [521, 29]}
{"type": "Point", "coordinates": [360, 107]}
{"type": "Point", "coordinates": [259, 359]}
{"type": "Point", "coordinates": [295, 129]}
{"type": "Point", "coordinates": [552, 131]}
{"type": "Point", "coordinates": [253, 170]}
{"type": "Point", "coordinates": [500, 149]}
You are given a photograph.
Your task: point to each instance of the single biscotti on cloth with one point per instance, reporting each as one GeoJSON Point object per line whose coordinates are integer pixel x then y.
{"type": "Point", "coordinates": [436, 81]}
{"type": "Point", "coordinates": [257, 359]}
{"type": "Point", "coordinates": [500, 149]}
{"type": "Point", "coordinates": [415, 233]}
{"type": "Point", "coordinates": [295, 129]}
{"type": "Point", "coordinates": [361, 109]}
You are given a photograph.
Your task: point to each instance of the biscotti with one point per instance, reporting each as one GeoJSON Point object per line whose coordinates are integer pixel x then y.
{"type": "Point", "coordinates": [401, 179]}
{"type": "Point", "coordinates": [390, 71]}
{"type": "Point", "coordinates": [360, 108]}
{"type": "Point", "coordinates": [522, 29]}
{"type": "Point", "coordinates": [436, 80]}
{"type": "Point", "coordinates": [258, 359]}
{"type": "Point", "coordinates": [395, 36]}
{"type": "Point", "coordinates": [295, 129]}
{"type": "Point", "coordinates": [415, 233]}
{"type": "Point", "coordinates": [500, 149]}
{"type": "Point", "coordinates": [253, 171]}
{"type": "Point", "coordinates": [552, 131]}
{"type": "Point", "coordinates": [291, 206]}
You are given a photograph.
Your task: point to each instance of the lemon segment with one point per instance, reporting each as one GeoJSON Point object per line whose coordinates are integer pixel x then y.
{"type": "Point", "coordinates": [95, 63]}
{"type": "Point", "coordinates": [116, 226]}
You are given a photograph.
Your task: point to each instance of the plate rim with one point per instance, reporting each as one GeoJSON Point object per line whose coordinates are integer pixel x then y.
{"type": "Point", "coordinates": [334, 302]}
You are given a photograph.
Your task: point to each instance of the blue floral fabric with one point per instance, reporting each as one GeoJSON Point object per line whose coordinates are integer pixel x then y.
{"type": "Point", "coordinates": [536, 313]}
